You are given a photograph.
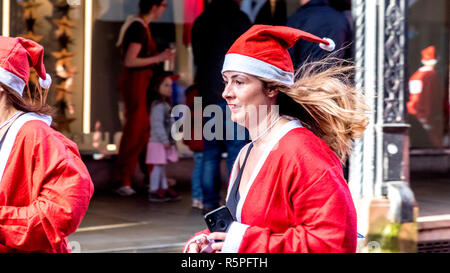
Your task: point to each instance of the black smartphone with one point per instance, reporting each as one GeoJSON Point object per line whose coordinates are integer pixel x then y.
{"type": "Point", "coordinates": [219, 220]}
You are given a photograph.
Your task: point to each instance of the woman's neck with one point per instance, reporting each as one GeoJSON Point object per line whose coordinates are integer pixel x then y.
{"type": "Point", "coordinates": [263, 128]}
{"type": "Point", "coordinates": [148, 18]}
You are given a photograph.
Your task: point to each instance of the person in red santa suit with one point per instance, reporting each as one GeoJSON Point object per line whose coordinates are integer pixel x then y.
{"type": "Point", "coordinates": [426, 99]}
{"type": "Point", "coordinates": [287, 192]}
{"type": "Point", "coordinates": [45, 188]}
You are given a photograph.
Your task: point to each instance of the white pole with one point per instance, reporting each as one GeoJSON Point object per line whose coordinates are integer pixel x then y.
{"type": "Point", "coordinates": [87, 67]}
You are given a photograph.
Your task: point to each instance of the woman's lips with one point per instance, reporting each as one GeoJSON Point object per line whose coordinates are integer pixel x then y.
{"type": "Point", "coordinates": [234, 107]}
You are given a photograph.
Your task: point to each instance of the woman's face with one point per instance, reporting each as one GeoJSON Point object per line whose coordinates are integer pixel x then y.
{"type": "Point", "coordinates": [159, 10]}
{"type": "Point", "coordinates": [246, 97]}
{"type": "Point", "coordinates": [165, 89]}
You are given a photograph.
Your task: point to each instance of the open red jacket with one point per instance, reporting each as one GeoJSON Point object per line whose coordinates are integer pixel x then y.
{"type": "Point", "coordinates": [45, 188]}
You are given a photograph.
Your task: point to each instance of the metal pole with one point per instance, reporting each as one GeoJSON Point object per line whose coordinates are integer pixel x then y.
{"type": "Point", "coordinates": [379, 166]}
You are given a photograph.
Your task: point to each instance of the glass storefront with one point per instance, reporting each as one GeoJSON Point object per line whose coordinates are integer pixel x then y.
{"type": "Point", "coordinates": [59, 27]}
{"type": "Point", "coordinates": [428, 70]}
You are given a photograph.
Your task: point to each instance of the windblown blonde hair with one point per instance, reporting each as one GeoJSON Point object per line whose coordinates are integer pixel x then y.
{"type": "Point", "coordinates": [326, 102]}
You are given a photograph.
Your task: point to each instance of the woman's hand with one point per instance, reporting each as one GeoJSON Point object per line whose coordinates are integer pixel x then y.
{"type": "Point", "coordinates": [197, 245]}
{"type": "Point", "coordinates": [217, 236]}
{"type": "Point", "coordinates": [167, 54]}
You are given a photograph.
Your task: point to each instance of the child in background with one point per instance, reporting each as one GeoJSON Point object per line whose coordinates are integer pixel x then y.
{"type": "Point", "coordinates": [161, 146]}
{"type": "Point", "coordinates": [196, 146]}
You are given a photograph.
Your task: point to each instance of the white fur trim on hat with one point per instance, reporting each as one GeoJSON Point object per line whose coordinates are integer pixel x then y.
{"type": "Point", "coordinates": [330, 47]}
{"type": "Point", "coordinates": [45, 83]}
{"type": "Point", "coordinates": [255, 67]}
{"type": "Point", "coordinates": [429, 62]}
{"type": "Point", "coordinates": [12, 81]}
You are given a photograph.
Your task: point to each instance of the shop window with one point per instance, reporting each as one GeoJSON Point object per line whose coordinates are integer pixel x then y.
{"type": "Point", "coordinates": [59, 27]}
{"type": "Point", "coordinates": [428, 70]}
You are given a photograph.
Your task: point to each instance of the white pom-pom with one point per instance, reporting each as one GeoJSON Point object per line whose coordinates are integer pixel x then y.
{"type": "Point", "coordinates": [329, 47]}
{"type": "Point", "coordinates": [46, 83]}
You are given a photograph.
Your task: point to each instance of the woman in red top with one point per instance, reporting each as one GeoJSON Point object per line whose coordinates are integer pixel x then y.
{"type": "Point", "coordinates": [139, 54]}
{"type": "Point", "coordinates": [287, 192]}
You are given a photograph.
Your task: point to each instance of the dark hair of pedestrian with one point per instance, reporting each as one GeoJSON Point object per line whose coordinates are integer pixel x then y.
{"type": "Point", "coordinates": [145, 6]}
{"type": "Point", "coordinates": [33, 99]}
{"type": "Point", "coordinates": [153, 94]}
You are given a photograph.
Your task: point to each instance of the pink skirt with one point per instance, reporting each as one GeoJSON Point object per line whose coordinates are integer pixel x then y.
{"type": "Point", "coordinates": [158, 155]}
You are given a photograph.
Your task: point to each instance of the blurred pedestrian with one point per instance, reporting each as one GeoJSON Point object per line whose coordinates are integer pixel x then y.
{"type": "Point", "coordinates": [196, 146]}
{"type": "Point", "coordinates": [426, 102]}
{"type": "Point", "coordinates": [273, 12]}
{"type": "Point", "coordinates": [45, 188]}
{"type": "Point", "coordinates": [139, 53]}
{"type": "Point", "coordinates": [318, 18]}
{"type": "Point", "coordinates": [287, 192]}
{"type": "Point", "coordinates": [213, 33]}
{"type": "Point", "coordinates": [161, 147]}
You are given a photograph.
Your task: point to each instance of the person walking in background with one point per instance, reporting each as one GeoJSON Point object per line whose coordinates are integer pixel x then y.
{"type": "Point", "coordinates": [196, 146]}
{"type": "Point", "coordinates": [287, 192]}
{"type": "Point", "coordinates": [161, 146]}
{"type": "Point", "coordinates": [273, 12]}
{"type": "Point", "coordinates": [213, 33]}
{"type": "Point", "coordinates": [426, 102]}
{"type": "Point", "coordinates": [139, 54]}
{"type": "Point", "coordinates": [45, 188]}
{"type": "Point", "coordinates": [318, 18]}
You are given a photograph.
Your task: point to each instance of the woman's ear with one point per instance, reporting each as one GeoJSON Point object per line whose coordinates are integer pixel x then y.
{"type": "Point", "coordinates": [271, 92]}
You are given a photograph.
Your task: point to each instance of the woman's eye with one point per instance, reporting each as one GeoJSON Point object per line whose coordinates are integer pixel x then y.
{"type": "Point", "coordinates": [239, 82]}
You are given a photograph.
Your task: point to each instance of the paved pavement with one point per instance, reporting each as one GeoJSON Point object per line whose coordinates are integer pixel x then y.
{"type": "Point", "coordinates": [133, 224]}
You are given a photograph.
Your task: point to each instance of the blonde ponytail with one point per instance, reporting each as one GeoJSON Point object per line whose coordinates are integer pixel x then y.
{"type": "Point", "coordinates": [331, 106]}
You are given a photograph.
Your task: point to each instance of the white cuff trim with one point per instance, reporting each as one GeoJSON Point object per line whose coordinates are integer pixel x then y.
{"type": "Point", "coordinates": [415, 87]}
{"type": "Point", "coordinates": [234, 238]}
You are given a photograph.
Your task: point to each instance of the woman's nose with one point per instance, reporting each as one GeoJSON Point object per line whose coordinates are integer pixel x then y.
{"type": "Point", "coordinates": [226, 92]}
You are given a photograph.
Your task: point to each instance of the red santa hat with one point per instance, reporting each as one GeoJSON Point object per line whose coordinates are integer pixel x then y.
{"type": "Point", "coordinates": [429, 56]}
{"type": "Point", "coordinates": [17, 55]}
{"type": "Point", "coordinates": [263, 51]}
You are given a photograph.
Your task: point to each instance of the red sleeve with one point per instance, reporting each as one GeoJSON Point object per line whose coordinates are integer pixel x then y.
{"type": "Point", "coordinates": [64, 188]}
{"type": "Point", "coordinates": [412, 103]}
{"type": "Point", "coordinates": [326, 220]}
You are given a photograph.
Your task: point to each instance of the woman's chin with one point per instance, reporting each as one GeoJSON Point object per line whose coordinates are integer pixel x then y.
{"type": "Point", "coordinates": [238, 119]}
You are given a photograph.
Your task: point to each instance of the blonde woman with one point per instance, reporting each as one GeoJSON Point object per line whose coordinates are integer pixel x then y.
{"type": "Point", "coordinates": [287, 192]}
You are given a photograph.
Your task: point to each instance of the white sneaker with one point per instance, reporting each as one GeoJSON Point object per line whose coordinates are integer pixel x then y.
{"type": "Point", "coordinates": [125, 191]}
{"type": "Point", "coordinates": [197, 203]}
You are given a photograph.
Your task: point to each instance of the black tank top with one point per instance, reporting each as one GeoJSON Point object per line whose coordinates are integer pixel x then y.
{"type": "Point", "coordinates": [234, 197]}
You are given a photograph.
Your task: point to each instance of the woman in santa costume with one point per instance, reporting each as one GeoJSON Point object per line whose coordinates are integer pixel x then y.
{"type": "Point", "coordinates": [426, 100]}
{"type": "Point", "coordinates": [45, 188]}
{"type": "Point", "coordinates": [287, 192]}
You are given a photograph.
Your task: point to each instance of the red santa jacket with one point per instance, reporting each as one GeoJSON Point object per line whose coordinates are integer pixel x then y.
{"type": "Point", "coordinates": [426, 96]}
{"type": "Point", "coordinates": [296, 201]}
{"type": "Point", "coordinates": [45, 188]}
